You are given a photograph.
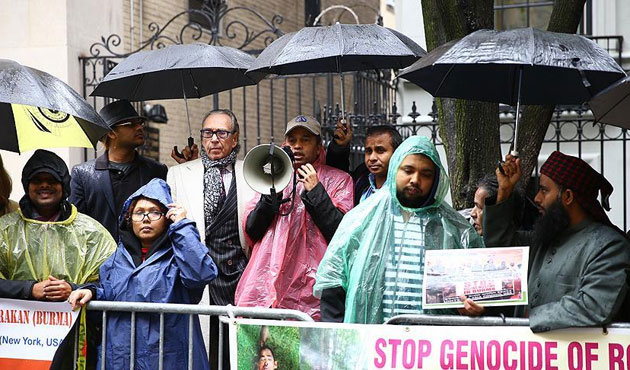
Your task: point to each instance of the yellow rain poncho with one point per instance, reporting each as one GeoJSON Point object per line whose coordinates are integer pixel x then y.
{"type": "Point", "coordinates": [357, 255]}
{"type": "Point", "coordinates": [71, 249]}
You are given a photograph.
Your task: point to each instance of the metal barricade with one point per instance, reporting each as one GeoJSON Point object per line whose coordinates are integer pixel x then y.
{"type": "Point", "coordinates": [183, 309]}
{"type": "Point", "coordinates": [453, 320]}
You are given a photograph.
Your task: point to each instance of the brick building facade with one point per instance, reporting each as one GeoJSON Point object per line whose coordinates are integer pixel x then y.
{"type": "Point", "coordinates": [262, 110]}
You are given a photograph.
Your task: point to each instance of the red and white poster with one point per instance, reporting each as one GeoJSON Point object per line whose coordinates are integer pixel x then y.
{"type": "Point", "coordinates": [492, 276]}
{"type": "Point", "coordinates": [31, 332]}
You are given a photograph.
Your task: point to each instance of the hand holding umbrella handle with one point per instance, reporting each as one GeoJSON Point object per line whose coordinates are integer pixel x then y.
{"type": "Point", "coordinates": [177, 153]}
{"type": "Point", "coordinates": [188, 154]}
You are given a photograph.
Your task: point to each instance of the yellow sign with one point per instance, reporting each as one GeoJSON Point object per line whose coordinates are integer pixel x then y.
{"type": "Point", "coordinates": [44, 128]}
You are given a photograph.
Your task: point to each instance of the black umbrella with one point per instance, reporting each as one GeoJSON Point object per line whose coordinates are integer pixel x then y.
{"type": "Point", "coordinates": [525, 65]}
{"type": "Point", "coordinates": [337, 49]}
{"type": "Point", "coordinates": [612, 105]}
{"type": "Point", "coordinates": [176, 72]}
{"type": "Point", "coordinates": [38, 110]}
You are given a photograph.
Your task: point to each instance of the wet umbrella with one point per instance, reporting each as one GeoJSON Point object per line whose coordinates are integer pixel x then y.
{"type": "Point", "coordinates": [40, 111]}
{"type": "Point", "coordinates": [178, 72]}
{"type": "Point", "coordinates": [525, 66]}
{"type": "Point", "coordinates": [337, 49]}
{"type": "Point", "coordinates": [612, 105]}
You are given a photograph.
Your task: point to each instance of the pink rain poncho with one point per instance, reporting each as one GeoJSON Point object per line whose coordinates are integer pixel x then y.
{"type": "Point", "coordinates": [281, 270]}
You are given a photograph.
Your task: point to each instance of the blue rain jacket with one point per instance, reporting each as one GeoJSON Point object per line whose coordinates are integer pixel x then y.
{"type": "Point", "coordinates": [175, 273]}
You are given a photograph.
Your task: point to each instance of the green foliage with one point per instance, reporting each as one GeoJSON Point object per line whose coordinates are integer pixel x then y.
{"type": "Point", "coordinates": [284, 341]}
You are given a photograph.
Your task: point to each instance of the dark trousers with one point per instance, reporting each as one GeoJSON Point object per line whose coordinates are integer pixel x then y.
{"type": "Point", "coordinates": [214, 344]}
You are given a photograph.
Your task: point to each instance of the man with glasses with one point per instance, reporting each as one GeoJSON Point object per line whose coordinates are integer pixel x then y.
{"type": "Point", "coordinates": [214, 193]}
{"type": "Point", "coordinates": [101, 186]}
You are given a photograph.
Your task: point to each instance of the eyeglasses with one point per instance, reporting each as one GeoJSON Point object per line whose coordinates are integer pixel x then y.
{"type": "Point", "coordinates": [131, 123]}
{"type": "Point", "coordinates": [207, 133]}
{"type": "Point", "coordinates": [152, 216]}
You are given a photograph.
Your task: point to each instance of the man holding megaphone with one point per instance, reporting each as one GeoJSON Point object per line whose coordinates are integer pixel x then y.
{"type": "Point", "coordinates": [290, 238]}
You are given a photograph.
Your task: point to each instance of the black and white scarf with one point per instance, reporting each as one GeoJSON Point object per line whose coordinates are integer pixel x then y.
{"type": "Point", "coordinates": [213, 189]}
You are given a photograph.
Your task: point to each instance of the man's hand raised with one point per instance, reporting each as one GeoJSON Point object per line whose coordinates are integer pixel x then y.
{"type": "Point", "coordinates": [509, 177]}
{"type": "Point", "coordinates": [188, 154]}
{"type": "Point", "coordinates": [343, 134]}
{"type": "Point", "coordinates": [308, 176]}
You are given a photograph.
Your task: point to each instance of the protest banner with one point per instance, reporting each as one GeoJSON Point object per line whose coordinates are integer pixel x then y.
{"type": "Point", "coordinates": [492, 276]}
{"type": "Point", "coordinates": [31, 332]}
{"type": "Point", "coordinates": [323, 346]}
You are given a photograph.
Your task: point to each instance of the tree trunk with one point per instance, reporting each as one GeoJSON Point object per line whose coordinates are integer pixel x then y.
{"type": "Point", "coordinates": [469, 129]}
{"type": "Point", "coordinates": [535, 119]}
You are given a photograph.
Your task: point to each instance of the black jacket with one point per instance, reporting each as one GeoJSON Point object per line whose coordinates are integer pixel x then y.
{"type": "Point", "coordinates": [317, 203]}
{"type": "Point", "coordinates": [91, 188]}
{"type": "Point", "coordinates": [338, 157]}
{"type": "Point", "coordinates": [16, 289]}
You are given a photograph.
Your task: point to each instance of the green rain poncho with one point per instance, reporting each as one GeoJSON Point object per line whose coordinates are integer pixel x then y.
{"type": "Point", "coordinates": [72, 249]}
{"type": "Point", "coordinates": [357, 255]}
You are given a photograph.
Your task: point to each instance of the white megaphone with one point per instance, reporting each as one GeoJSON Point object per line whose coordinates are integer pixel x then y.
{"type": "Point", "coordinates": [267, 167]}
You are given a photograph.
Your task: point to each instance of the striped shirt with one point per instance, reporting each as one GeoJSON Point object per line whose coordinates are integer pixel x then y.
{"type": "Point", "coordinates": [405, 268]}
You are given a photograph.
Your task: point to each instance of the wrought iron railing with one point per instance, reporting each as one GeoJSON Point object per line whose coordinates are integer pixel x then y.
{"type": "Point", "coordinates": [572, 130]}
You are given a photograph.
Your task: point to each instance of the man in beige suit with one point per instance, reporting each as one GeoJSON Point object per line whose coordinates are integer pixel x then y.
{"type": "Point", "coordinates": [214, 192]}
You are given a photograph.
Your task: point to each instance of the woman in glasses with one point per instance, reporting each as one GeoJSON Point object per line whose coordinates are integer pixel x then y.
{"type": "Point", "coordinates": [161, 259]}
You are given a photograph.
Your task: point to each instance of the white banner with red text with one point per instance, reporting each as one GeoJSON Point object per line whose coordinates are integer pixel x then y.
{"type": "Point", "coordinates": [31, 332]}
{"type": "Point", "coordinates": [267, 344]}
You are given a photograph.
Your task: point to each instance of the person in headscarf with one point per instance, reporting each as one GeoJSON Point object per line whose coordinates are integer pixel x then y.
{"type": "Point", "coordinates": [579, 261]}
{"type": "Point", "coordinates": [289, 242]}
{"type": "Point", "coordinates": [373, 267]}
{"type": "Point", "coordinates": [160, 259]}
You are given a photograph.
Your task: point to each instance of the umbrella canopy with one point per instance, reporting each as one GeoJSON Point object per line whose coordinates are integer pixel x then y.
{"type": "Point", "coordinates": [38, 110]}
{"type": "Point", "coordinates": [612, 105]}
{"type": "Point", "coordinates": [555, 68]}
{"type": "Point", "coordinates": [178, 71]}
{"type": "Point", "coordinates": [338, 48]}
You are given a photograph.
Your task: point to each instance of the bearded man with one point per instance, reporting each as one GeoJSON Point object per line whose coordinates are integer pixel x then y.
{"type": "Point", "coordinates": [373, 268]}
{"type": "Point", "coordinates": [579, 261]}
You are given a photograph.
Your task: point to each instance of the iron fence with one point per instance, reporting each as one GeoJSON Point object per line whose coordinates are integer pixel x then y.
{"type": "Point", "coordinates": [264, 109]}
{"type": "Point", "coordinates": [572, 130]}
{"type": "Point", "coordinates": [135, 308]}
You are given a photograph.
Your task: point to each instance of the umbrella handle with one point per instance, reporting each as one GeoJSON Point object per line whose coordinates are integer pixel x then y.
{"type": "Point", "coordinates": [177, 153]}
{"type": "Point", "coordinates": [191, 142]}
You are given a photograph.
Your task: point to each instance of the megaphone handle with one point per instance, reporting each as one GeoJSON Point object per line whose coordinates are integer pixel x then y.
{"type": "Point", "coordinates": [292, 196]}
{"type": "Point", "coordinates": [275, 205]}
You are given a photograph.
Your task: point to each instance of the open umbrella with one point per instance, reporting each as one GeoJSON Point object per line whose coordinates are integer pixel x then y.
{"type": "Point", "coordinates": [612, 105]}
{"type": "Point", "coordinates": [178, 72]}
{"type": "Point", "coordinates": [337, 49]}
{"type": "Point", "coordinates": [524, 65]}
{"type": "Point", "coordinates": [38, 110]}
